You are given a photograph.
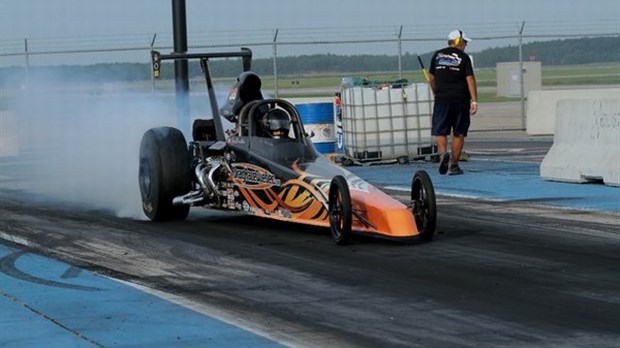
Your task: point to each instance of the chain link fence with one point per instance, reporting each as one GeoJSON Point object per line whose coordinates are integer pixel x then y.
{"type": "Point", "coordinates": [510, 60]}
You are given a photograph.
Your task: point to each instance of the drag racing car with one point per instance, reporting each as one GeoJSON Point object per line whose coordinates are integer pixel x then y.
{"type": "Point", "coordinates": [267, 166]}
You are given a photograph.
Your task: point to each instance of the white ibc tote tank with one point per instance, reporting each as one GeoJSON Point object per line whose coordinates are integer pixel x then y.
{"type": "Point", "coordinates": [387, 122]}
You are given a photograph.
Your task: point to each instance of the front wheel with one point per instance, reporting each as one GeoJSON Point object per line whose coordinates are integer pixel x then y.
{"type": "Point", "coordinates": [340, 212]}
{"type": "Point", "coordinates": [164, 173]}
{"type": "Point", "coordinates": [423, 204]}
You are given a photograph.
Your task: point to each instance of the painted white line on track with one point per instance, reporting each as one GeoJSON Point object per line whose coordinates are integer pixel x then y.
{"type": "Point", "coordinates": [17, 240]}
{"type": "Point", "coordinates": [448, 194]}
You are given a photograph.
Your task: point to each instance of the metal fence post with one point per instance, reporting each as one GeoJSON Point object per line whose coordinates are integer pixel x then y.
{"type": "Point", "coordinates": [400, 53]}
{"type": "Point", "coordinates": [275, 64]}
{"type": "Point", "coordinates": [521, 76]}
{"type": "Point", "coordinates": [26, 56]}
{"type": "Point", "coordinates": [152, 73]}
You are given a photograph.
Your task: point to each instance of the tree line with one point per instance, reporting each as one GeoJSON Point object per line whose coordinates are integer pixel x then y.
{"type": "Point", "coordinates": [556, 52]}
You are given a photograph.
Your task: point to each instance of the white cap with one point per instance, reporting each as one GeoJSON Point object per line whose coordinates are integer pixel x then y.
{"type": "Point", "coordinates": [455, 34]}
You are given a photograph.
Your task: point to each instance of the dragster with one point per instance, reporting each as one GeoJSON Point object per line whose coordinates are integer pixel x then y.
{"type": "Point", "coordinates": [282, 177]}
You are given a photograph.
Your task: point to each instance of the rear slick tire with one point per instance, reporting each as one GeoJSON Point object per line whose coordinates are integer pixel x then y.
{"type": "Point", "coordinates": [164, 173]}
{"type": "Point", "coordinates": [340, 212]}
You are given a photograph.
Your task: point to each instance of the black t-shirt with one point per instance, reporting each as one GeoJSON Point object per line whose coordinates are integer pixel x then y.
{"type": "Point", "coordinates": [451, 66]}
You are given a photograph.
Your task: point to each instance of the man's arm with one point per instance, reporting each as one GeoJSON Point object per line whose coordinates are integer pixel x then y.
{"type": "Point", "coordinates": [431, 73]}
{"type": "Point", "coordinates": [473, 93]}
{"type": "Point", "coordinates": [432, 82]}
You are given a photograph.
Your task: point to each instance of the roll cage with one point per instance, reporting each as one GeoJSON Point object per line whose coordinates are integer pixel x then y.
{"type": "Point", "coordinates": [247, 133]}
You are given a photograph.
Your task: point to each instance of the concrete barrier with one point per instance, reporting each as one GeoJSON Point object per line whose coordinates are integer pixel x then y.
{"type": "Point", "coordinates": [586, 144]}
{"type": "Point", "coordinates": [541, 106]}
{"type": "Point", "coordinates": [9, 134]}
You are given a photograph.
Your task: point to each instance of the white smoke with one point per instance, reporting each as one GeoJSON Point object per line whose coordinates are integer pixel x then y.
{"type": "Point", "coordinates": [83, 143]}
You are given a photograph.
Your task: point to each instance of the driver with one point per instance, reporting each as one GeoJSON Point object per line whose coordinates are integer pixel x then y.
{"type": "Point", "coordinates": [277, 123]}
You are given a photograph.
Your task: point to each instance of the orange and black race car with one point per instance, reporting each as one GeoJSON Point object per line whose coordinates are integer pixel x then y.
{"type": "Point", "coordinates": [267, 166]}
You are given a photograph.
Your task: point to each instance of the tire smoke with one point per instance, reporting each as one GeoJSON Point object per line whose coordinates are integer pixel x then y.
{"type": "Point", "coordinates": [82, 147]}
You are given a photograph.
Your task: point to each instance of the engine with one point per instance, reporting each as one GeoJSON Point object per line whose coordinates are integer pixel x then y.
{"type": "Point", "coordinates": [209, 169]}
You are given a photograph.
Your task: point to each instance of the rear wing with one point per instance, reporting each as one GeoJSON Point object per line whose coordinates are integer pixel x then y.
{"type": "Point", "coordinates": [246, 57]}
{"type": "Point", "coordinates": [244, 53]}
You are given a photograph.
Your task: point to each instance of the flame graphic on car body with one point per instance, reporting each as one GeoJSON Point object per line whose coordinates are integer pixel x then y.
{"type": "Point", "coordinates": [267, 195]}
{"type": "Point", "coordinates": [304, 199]}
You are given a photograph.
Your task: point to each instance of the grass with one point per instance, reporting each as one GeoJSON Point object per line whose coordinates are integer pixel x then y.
{"type": "Point", "coordinates": [323, 85]}
{"type": "Point", "coordinates": [603, 74]}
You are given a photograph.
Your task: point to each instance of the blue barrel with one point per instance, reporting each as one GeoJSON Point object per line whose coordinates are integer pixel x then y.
{"type": "Point", "coordinates": [318, 118]}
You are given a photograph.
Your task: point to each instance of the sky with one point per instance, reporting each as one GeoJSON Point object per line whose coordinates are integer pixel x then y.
{"type": "Point", "coordinates": [69, 25]}
{"type": "Point", "coordinates": [21, 19]}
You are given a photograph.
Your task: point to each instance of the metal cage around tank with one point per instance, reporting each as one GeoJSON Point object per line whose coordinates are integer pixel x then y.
{"type": "Point", "coordinates": [387, 122]}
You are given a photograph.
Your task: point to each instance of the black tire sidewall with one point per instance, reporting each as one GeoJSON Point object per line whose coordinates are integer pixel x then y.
{"type": "Point", "coordinates": [422, 178]}
{"type": "Point", "coordinates": [164, 173]}
{"type": "Point", "coordinates": [339, 184]}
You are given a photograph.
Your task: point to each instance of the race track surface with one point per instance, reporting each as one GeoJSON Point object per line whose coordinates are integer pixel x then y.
{"type": "Point", "coordinates": [491, 277]}
{"type": "Point", "coordinates": [500, 273]}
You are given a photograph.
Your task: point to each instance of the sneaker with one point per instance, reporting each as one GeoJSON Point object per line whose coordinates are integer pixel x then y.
{"type": "Point", "coordinates": [444, 160]}
{"type": "Point", "coordinates": [455, 170]}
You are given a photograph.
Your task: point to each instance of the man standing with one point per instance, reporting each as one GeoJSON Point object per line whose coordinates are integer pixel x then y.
{"type": "Point", "coordinates": [454, 86]}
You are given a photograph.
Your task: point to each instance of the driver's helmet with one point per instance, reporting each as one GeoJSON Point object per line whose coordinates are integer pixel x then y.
{"type": "Point", "coordinates": [276, 123]}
